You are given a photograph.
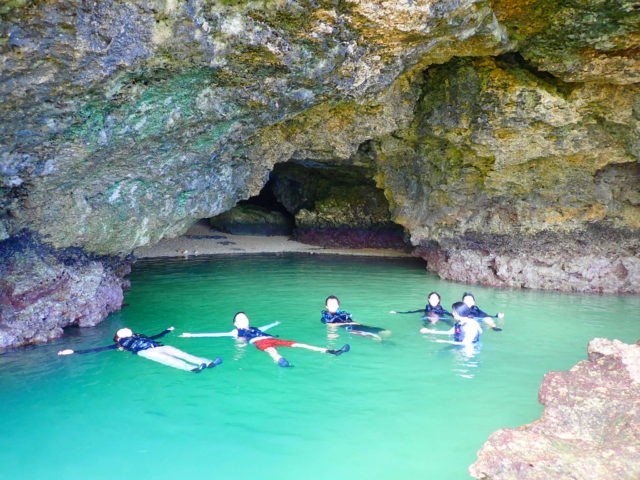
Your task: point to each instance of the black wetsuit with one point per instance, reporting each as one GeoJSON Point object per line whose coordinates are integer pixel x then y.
{"type": "Point", "coordinates": [344, 317]}
{"type": "Point", "coordinates": [475, 312]}
{"type": "Point", "coordinates": [438, 311]}
{"type": "Point", "coordinates": [134, 344]}
{"type": "Point", "coordinates": [429, 311]}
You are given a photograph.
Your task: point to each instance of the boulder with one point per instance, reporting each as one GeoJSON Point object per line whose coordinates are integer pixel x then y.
{"type": "Point", "coordinates": [589, 429]}
{"type": "Point", "coordinates": [247, 219]}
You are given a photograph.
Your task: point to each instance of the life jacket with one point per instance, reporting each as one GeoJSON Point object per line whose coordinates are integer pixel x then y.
{"type": "Point", "coordinates": [458, 334]}
{"type": "Point", "coordinates": [338, 317]}
{"type": "Point", "coordinates": [137, 342]}
{"type": "Point", "coordinates": [251, 333]}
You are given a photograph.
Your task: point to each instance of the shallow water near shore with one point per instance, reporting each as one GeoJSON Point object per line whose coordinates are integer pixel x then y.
{"type": "Point", "coordinates": [403, 407]}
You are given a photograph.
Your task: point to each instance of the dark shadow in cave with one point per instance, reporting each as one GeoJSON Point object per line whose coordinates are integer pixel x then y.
{"type": "Point", "coordinates": [321, 204]}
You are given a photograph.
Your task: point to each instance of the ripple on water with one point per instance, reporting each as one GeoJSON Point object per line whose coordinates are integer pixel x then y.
{"type": "Point", "coordinates": [403, 407]}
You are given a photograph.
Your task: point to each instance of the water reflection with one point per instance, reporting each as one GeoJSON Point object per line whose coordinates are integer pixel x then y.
{"type": "Point", "coordinates": [466, 359]}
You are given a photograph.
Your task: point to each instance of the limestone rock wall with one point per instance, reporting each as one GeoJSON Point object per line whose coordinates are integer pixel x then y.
{"type": "Point", "coordinates": [488, 124]}
{"type": "Point", "coordinates": [123, 121]}
{"type": "Point", "coordinates": [514, 178]}
{"type": "Point", "coordinates": [589, 428]}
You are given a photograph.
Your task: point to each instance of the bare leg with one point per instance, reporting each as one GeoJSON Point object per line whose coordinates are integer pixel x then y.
{"type": "Point", "coordinates": [309, 347]}
{"type": "Point", "coordinates": [273, 353]}
{"type": "Point", "coordinates": [177, 353]}
{"type": "Point", "coordinates": [157, 355]}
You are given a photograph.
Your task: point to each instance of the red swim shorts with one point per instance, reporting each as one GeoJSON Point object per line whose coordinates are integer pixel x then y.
{"type": "Point", "coordinates": [272, 342]}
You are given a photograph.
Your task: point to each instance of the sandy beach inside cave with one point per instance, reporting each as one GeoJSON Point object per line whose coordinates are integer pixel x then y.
{"type": "Point", "coordinates": [202, 239]}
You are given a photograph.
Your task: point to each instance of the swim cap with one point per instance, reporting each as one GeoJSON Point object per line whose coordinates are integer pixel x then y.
{"type": "Point", "coordinates": [124, 333]}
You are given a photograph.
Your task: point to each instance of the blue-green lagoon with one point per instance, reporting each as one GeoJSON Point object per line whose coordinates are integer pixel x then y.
{"type": "Point", "coordinates": [405, 407]}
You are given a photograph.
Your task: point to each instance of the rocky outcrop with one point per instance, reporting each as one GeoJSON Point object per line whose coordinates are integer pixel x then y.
{"type": "Point", "coordinates": [589, 429]}
{"type": "Point", "coordinates": [587, 41]}
{"type": "Point", "coordinates": [512, 178]}
{"type": "Point", "coordinates": [43, 290]}
{"type": "Point", "coordinates": [125, 122]}
{"type": "Point", "coordinates": [487, 124]}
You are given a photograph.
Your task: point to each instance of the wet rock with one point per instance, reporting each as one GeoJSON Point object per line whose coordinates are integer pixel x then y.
{"type": "Point", "coordinates": [128, 122]}
{"type": "Point", "coordinates": [594, 261]}
{"type": "Point", "coordinates": [355, 217]}
{"type": "Point", "coordinates": [43, 290]}
{"type": "Point", "coordinates": [336, 205]}
{"type": "Point", "coordinates": [247, 219]}
{"type": "Point", "coordinates": [589, 429]}
{"type": "Point", "coordinates": [529, 168]}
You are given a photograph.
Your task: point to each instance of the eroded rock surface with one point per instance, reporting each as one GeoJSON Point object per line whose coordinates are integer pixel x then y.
{"type": "Point", "coordinates": [487, 124]}
{"type": "Point", "coordinates": [43, 290]}
{"type": "Point", "coordinates": [589, 429]}
{"type": "Point", "coordinates": [512, 178]}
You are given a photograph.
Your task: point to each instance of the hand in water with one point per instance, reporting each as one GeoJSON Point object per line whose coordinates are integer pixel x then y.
{"type": "Point", "coordinates": [171, 329]}
{"type": "Point", "coordinates": [66, 351]}
{"type": "Point", "coordinates": [500, 315]}
{"type": "Point", "coordinates": [392, 311]}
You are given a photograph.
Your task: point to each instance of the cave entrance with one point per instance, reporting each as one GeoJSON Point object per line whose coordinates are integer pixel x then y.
{"type": "Point", "coordinates": [328, 205]}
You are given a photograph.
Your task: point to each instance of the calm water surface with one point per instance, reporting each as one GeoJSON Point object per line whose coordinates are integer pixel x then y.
{"type": "Point", "coordinates": [405, 407]}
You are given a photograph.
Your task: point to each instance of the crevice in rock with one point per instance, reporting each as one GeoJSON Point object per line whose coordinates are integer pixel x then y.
{"type": "Point", "coordinates": [516, 59]}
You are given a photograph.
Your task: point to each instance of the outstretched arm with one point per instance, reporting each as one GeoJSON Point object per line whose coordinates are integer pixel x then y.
{"type": "Point", "coordinates": [267, 327]}
{"type": "Point", "coordinates": [163, 333]}
{"type": "Point", "coordinates": [437, 332]}
{"type": "Point", "coordinates": [68, 351]}
{"type": "Point", "coordinates": [452, 342]}
{"type": "Point", "coordinates": [410, 311]}
{"type": "Point", "coordinates": [480, 314]}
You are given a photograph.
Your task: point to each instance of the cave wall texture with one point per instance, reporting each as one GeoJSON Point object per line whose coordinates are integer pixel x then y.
{"type": "Point", "coordinates": [504, 134]}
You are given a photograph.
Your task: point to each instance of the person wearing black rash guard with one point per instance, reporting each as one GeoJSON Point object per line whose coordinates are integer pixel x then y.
{"type": "Point", "coordinates": [333, 316]}
{"type": "Point", "coordinates": [147, 347]}
{"type": "Point", "coordinates": [263, 341]}
{"type": "Point", "coordinates": [433, 311]}
{"type": "Point", "coordinates": [470, 301]}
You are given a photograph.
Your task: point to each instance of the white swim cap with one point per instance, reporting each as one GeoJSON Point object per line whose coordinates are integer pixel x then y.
{"type": "Point", "coordinates": [124, 333]}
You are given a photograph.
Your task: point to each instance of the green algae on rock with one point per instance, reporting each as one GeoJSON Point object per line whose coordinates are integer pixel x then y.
{"type": "Point", "coordinates": [498, 157]}
{"type": "Point", "coordinates": [487, 124]}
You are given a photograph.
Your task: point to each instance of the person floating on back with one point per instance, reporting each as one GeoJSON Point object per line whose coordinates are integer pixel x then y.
{"type": "Point", "coordinates": [333, 316]}
{"type": "Point", "coordinates": [466, 330]}
{"type": "Point", "coordinates": [263, 341]}
{"type": "Point", "coordinates": [470, 301]}
{"type": "Point", "coordinates": [433, 311]}
{"type": "Point", "coordinates": [147, 347]}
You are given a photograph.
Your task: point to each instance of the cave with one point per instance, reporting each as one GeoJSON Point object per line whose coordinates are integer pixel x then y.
{"type": "Point", "coordinates": [322, 204]}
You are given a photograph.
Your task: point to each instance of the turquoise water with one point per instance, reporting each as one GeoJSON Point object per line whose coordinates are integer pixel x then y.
{"type": "Point", "coordinates": [405, 407]}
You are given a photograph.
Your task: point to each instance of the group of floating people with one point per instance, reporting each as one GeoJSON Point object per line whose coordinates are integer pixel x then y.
{"type": "Point", "coordinates": [464, 319]}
